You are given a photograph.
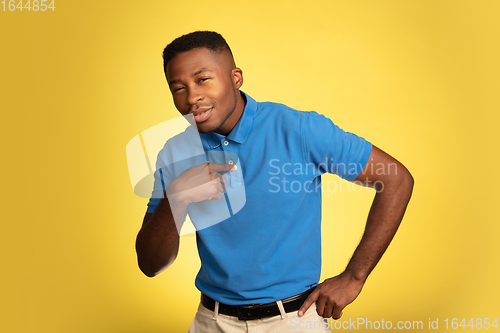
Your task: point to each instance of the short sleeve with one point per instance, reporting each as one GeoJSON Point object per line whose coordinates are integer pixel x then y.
{"type": "Point", "coordinates": [179, 153]}
{"type": "Point", "coordinates": [332, 149]}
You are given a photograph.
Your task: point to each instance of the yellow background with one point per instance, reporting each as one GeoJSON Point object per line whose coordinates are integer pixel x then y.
{"type": "Point", "coordinates": [420, 79]}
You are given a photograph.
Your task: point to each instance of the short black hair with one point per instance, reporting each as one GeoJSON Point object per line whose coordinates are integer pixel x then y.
{"type": "Point", "coordinates": [207, 39]}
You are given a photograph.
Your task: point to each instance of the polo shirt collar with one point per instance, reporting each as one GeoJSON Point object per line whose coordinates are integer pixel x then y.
{"type": "Point", "coordinates": [240, 132]}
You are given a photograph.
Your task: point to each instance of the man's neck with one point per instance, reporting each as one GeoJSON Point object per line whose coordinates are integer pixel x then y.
{"type": "Point", "coordinates": [235, 116]}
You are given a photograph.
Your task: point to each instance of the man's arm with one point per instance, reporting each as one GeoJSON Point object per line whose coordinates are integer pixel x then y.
{"type": "Point", "coordinates": [157, 242]}
{"type": "Point", "coordinates": [394, 185]}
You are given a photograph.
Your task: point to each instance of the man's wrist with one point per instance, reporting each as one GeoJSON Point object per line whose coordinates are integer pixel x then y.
{"type": "Point", "coordinates": [356, 274]}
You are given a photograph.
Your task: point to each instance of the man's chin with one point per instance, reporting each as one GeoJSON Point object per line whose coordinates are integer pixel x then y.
{"type": "Point", "coordinates": [205, 128]}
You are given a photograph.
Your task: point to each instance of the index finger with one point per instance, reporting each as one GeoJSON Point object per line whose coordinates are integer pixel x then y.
{"type": "Point", "coordinates": [219, 167]}
{"type": "Point", "coordinates": [308, 302]}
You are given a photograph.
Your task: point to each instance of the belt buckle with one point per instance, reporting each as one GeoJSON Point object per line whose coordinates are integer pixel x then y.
{"type": "Point", "coordinates": [248, 312]}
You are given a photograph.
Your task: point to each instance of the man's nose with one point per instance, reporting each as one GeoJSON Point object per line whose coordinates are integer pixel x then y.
{"type": "Point", "coordinates": [194, 96]}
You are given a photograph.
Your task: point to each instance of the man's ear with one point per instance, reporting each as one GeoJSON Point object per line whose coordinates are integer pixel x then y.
{"type": "Point", "coordinates": [237, 77]}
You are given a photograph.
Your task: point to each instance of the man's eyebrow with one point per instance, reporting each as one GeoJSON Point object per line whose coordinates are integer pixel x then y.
{"type": "Point", "coordinates": [201, 71]}
{"type": "Point", "coordinates": [194, 74]}
{"type": "Point", "coordinates": [170, 83]}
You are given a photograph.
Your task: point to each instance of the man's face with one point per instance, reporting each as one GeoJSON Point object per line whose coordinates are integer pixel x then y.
{"type": "Point", "coordinates": [205, 83]}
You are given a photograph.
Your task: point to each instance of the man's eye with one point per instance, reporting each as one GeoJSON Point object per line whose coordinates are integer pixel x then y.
{"type": "Point", "coordinates": [203, 79]}
{"type": "Point", "coordinates": [177, 89]}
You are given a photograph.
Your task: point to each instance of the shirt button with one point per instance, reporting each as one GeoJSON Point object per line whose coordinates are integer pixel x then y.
{"type": "Point", "coordinates": [226, 143]}
{"type": "Point", "coordinates": [230, 162]}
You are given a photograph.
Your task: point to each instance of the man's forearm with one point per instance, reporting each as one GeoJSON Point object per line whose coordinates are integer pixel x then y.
{"type": "Point", "coordinates": [157, 243]}
{"type": "Point", "coordinates": [386, 213]}
{"type": "Point", "coordinates": [384, 218]}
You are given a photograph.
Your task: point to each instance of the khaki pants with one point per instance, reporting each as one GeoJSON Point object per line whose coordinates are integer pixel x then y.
{"type": "Point", "coordinates": [206, 321]}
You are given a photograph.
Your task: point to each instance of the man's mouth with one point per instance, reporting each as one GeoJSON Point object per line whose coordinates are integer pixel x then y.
{"type": "Point", "coordinates": [202, 114]}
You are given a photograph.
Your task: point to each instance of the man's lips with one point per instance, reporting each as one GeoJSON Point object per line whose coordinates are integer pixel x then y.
{"type": "Point", "coordinates": [202, 114]}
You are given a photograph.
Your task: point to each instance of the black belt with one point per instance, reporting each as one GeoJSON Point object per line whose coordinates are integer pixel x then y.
{"type": "Point", "coordinates": [257, 311]}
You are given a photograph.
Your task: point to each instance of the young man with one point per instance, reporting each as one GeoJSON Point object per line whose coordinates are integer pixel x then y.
{"type": "Point", "coordinates": [260, 264]}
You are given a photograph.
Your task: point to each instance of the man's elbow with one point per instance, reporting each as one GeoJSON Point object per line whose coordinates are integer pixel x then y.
{"type": "Point", "coordinates": [397, 182]}
{"type": "Point", "coordinates": [147, 272]}
{"type": "Point", "coordinates": [404, 181]}
{"type": "Point", "coordinates": [151, 269]}
{"type": "Point", "coordinates": [408, 179]}
{"type": "Point", "coordinates": [150, 272]}
{"type": "Point", "coordinates": [153, 261]}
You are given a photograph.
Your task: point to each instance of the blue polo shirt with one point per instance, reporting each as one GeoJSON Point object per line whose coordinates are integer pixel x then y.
{"type": "Point", "coordinates": [267, 244]}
